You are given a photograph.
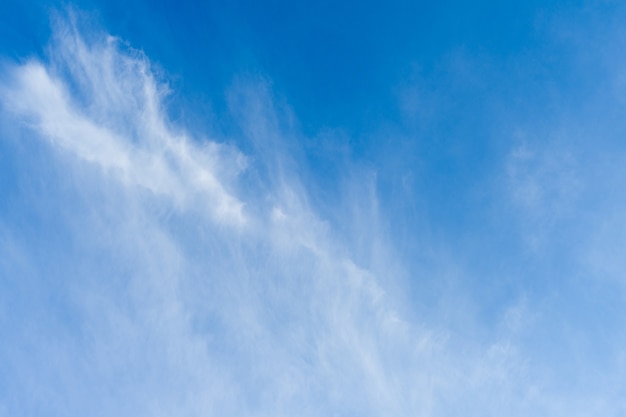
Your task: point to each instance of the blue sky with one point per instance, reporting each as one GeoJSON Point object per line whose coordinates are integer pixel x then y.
{"type": "Point", "coordinates": [330, 209]}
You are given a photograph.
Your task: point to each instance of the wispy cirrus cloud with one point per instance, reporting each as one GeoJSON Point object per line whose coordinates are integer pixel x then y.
{"type": "Point", "coordinates": [168, 274]}
{"type": "Point", "coordinates": [109, 113]}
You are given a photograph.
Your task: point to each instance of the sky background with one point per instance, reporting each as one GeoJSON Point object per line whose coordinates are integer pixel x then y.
{"type": "Point", "coordinates": [331, 209]}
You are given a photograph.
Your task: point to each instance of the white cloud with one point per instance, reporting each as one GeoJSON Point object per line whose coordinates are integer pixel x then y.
{"type": "Point", "coordinates": [173, 287]}
{"type": "Point", "coordinates": [118, 125]}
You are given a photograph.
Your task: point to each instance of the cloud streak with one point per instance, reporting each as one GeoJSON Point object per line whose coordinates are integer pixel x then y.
{"type": "Point", "coordinates": [118, 124]}
{"type": "Point", "coordinates": [169, 274]}
{"type": "Point", "coordinates": [246, 311]}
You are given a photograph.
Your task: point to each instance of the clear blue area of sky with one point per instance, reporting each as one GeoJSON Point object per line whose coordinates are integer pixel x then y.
{"type": "Point", "coordinates": [337, 62]}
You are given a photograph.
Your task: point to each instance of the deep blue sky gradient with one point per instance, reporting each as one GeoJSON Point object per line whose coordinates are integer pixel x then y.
{"type": "Point", "coordinates": [494, 132]}
{"type": "Point", "coordinates": [478, 69]}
